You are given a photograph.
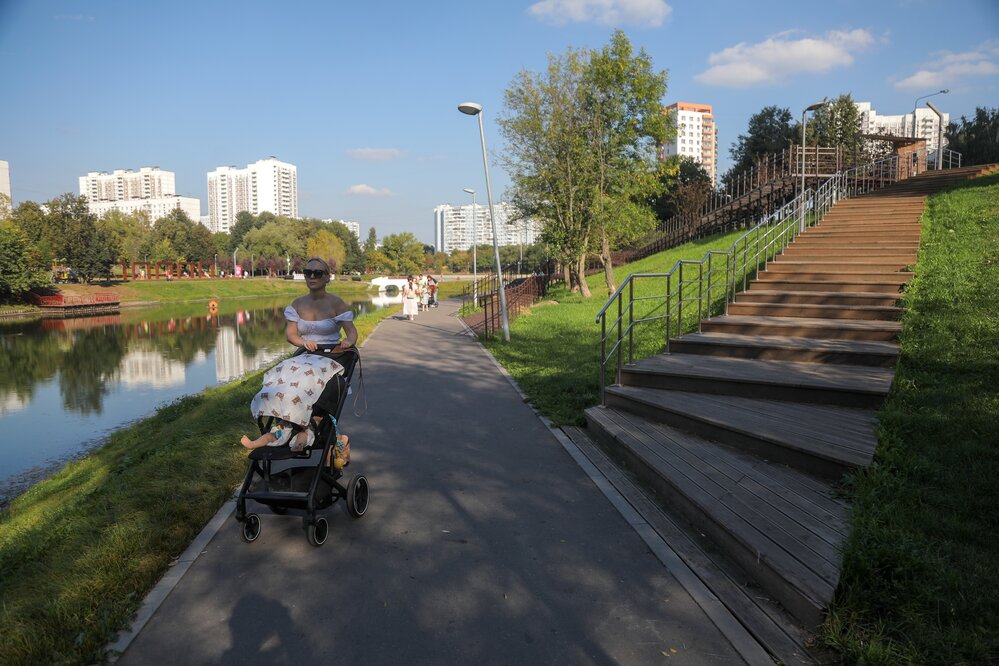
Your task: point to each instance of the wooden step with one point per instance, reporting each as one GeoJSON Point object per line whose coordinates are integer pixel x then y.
{"type": "Point", "coordinates": [804, 327]}
{"type": "Point", "coordinates": [864, 387]}
{"type": "Point", "coordinates": [786, 284]}
{"type": "Point", "coordinates": [784, 528]}
{"type": "Point", "coordinates": [877, 312]}
{"type": "Point", "coordinates": [787, 265]}
{"type": "Point", "coordinates": [769, 624]}
{"type": "Point", "coordinates": [818, 297]}
{"type": "Point", "coordinates": [827, 442]}
{"type": "Point", "coordinates": [786, 348]}
{"type": "Point", "coordinates": [858, 276]}
{"type": "Point", "coordinates": [860, 256]}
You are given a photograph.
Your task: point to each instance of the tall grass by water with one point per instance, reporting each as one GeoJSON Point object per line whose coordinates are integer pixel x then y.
{"type": "Point", "coordinates": [79, 551]}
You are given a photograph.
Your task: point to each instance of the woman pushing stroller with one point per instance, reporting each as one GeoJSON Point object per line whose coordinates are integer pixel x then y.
{"type": "Point", "coordinates": [292, 387]}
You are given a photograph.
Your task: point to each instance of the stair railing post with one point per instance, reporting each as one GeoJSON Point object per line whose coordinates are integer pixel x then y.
{"type": "Point", "coordinates": [620, 340]}
{"type": "Point", "coordinates": [603, 357]}
{"type": "Point", "coordinates": [631, 320]}
{"type": "Point", "coordinates": [669, 312]}
{"type": "Point", "coordinates": [700, 292]}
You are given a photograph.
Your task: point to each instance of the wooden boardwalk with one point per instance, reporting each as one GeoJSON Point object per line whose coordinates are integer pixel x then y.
{"type": "Point", "coordinates": [744, 431]}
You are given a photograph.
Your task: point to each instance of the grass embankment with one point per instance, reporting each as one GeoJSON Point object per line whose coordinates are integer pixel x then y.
{"type": "Point", "coordinates": [161, 291]}
{"type": "Point", "coordinates": [79, 551]}
{"type": "Point", "coordinates": [554, 353]}
{"type": "Point", "coordinates": [920, 580]}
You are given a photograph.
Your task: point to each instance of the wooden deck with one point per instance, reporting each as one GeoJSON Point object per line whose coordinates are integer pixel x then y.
{"type": "Point", "coordinates": [747, 427]}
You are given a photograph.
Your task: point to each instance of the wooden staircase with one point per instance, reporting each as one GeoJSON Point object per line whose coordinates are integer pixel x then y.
{"type": "Point", "coordinates": [744, 430]}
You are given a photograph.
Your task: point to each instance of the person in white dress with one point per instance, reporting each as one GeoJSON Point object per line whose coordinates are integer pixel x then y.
{"type": "Point", "coordinates": [411, 299]}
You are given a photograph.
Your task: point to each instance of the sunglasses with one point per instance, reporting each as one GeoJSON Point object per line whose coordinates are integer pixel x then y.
{"type": "Point", "coordinates": [309, 273]}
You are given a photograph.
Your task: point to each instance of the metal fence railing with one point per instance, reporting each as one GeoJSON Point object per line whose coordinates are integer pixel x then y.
{"type": "Point", "coordinates": [648, 309]}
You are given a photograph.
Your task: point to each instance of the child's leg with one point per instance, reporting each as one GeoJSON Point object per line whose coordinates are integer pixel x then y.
{"type": "Point", "coordinates": [263, 440]}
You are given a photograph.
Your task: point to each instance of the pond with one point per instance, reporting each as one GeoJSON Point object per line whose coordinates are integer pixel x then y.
{"type": "Point", "coordinates": [65, 384]}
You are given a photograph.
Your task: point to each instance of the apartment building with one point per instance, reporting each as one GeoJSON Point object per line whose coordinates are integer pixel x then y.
{"type": "Point", "coordinates": [5, 180]}
{"type": "Point", "coordinates": [696, 135]}
{"type": "Point", "coordinates": [353, 227]}
{"type": "Point", "coordinates": [924, 121]}
{"type": "Point", "coordinates": [456, 229]}
{"type": "Point", "coordinates": [266, 185]}
{"type": "Point", "coordinates": [150, 189]}
{"type": "Point", "coordinates": [125, 184]}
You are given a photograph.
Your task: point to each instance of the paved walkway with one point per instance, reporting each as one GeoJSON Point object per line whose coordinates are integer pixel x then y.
{"type": "Point", "coordinates": [484, 543]}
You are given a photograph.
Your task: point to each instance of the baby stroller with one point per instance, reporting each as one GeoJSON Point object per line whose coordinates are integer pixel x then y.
{"type": "Point", "coordinates": [312, 486]}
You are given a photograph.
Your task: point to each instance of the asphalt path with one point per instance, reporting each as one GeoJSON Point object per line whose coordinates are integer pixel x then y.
{"type": "Point", "coordinates": [484, 543]}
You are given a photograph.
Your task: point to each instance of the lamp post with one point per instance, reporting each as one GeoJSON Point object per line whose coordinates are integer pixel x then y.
{"type": "Point", "coordinates": [474, 109]}
{"type": "Point", "coordinates": [234, 260]}
{"type": "Point", "coordinates": [813, 107]}
{"type": "Point", "coordinates": [914, 104]}
{"type": "Point", "coordinates": [475, 241]}
{"type": "Point", "coordinates": [215, 266]}
{"type": "Point", "coordinates": [251, 265]}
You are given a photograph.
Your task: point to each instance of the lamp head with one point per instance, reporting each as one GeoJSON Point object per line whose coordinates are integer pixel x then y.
{"type": "Point", "coordinates": [470, 108]}
{"type": "Point", "coordinates": [816, 106]}
{"type": "Point", "coordinates": [945, 91]}
{"type": "Point", "coordinates": [472, 192]}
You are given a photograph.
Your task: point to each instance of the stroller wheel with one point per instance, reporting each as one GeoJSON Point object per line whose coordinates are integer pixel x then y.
{"type": "Point", "coordinates": [250, 528]}
{"type": "Point", "coordinates": [357, 496]}
{"type": "Point", "coordinates": [318, 531]}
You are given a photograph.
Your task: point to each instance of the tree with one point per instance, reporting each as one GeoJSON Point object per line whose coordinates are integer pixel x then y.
{"type": "Point", "coordinates": [403, 252]}
{"type": "Point", "coordinates": [623, 99]}
{"type": "Point", "coordinates": [327, 246]}
{"type": "Point", "coordinates": [678, 176]}
{"type": "Point", "coordinates": [130, 233]}
{"type": "Point", "coordinates": [976, 139]}
{"type": "Point", "coordinates": [21, 269]}
{"type": "Point", "coordinates": [191, 241]}
{"type": "Point", "coordinates": [837, 124]}
{"type": "Point", "coordinates": [71, 233]}
{"type": "Point", "coordinates": [371, 243]}
{"type": "Point", "coordinates": [770, 130]}
{"type": "Point", "coordinates": [581, 140]}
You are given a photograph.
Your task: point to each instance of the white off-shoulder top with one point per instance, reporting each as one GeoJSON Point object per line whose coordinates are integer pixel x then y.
{"type": "Point", "coordinates": [323, 331]}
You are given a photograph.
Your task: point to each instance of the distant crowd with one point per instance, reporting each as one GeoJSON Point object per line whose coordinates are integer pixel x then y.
{"type": "Point", "coordinates": [419, 295]}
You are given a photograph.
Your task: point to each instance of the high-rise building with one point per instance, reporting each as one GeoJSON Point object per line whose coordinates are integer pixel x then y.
{"type": "Point", "coordinates": [453, 227]}
{"type": "Point", "coordinates": [927, 124]}
{"type": "Point", "coordinates": [5, 180]}
{"type": "Point", "coordinates": [266, 185]}
{"type": "Point", "coordinates": [124, 184]}
{"type": "Point", "coordinates": [696, 135]}
{"type": "Point", "coordinates": [150, 189]}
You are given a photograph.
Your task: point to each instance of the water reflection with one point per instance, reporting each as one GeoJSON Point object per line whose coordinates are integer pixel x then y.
{"type": "Point", "coordinates": [70, 381]}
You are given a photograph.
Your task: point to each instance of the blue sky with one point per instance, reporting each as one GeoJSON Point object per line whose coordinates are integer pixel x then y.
{"type": "Point", "coordinates": [362, 96]}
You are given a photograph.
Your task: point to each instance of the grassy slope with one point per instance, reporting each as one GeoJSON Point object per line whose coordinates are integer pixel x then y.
{"type": "Point", "coordinates": [920, 581]}
{"type": "Point", "coordinates": [555, 348]}
{"type": "Point", "coordinates": [79, 551]}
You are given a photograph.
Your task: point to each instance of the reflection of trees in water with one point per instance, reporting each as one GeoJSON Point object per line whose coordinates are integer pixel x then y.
{"type": "Point", "coordinates": [265, 330]}
{"type": "Point", "coordinates": [88, 353]}
{"type": "Point", "coordinates": [26, 360]}
{"type": "Point", "coordinates": [91, 361]}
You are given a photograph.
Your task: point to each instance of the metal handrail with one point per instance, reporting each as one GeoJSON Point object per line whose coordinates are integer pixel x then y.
{"type": "Point", "coordinates": [711, 283]}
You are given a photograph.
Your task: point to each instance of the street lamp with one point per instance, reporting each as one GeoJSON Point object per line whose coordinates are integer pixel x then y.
{"type": "Point", "coordinates": [813, 107]}
{"type": "Point", "coordinates": [234, 260]}
{"type": "Point", "coordinates": [474, 109]}
{"type": "Point", "coordinates": [475, 241]}
{"type": "Point", "coordinates": [215, 266]}
{"type": "Point", "coordinates": [914, 104]}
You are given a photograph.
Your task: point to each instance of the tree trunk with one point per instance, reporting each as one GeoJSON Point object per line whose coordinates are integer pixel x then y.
{"type": "Point", "coordinates": [566, 276]}
{"type": "Point", "coordinates": [605, 259]}
{"type": "Point", "coordinates": [584, 288]}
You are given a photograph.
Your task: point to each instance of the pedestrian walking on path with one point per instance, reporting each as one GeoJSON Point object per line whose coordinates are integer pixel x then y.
{"type": "Point", "coordinates": [484, 543]}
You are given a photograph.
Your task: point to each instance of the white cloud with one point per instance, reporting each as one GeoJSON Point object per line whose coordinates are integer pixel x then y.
{"type": "Point", "coordinates": [608, 12]}
{"type": "Point", "coordinates": [947, 68]}
{"type": "Point", "coordinates": [779, 57]}
{"type": "Point", "coordinates": [375, 154]}
{"type": "Point", "coordinates": [363, 190]}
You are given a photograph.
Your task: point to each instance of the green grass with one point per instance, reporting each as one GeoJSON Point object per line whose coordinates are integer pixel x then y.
{"type": "Point", "coordinates": [555, 347]}
{"type": "Point", "coordinates": [203, 290]}
{"type": "Point", "coordinates": [920, 581]}
{"type": "Point", "coordinates": [79, 551]}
